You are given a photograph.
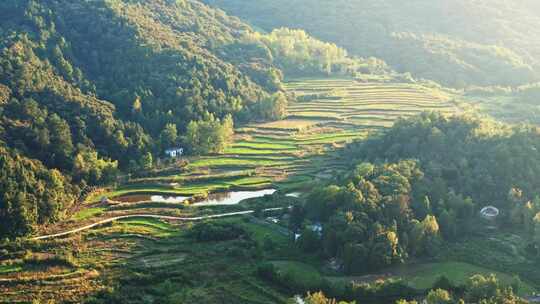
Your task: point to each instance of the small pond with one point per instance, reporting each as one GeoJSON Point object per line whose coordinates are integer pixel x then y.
{"type": "Point", "coordinates": [215, 199]}
{"type": "Point", "coordinates": [294, 194]}
{"type": "Point", "coordinates": [135, 198]}
{"type": "Point", "coordinates": [233, 197]}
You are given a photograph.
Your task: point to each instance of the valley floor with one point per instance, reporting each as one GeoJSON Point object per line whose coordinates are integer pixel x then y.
{"type": "Point", "coordinates": [143, 259]}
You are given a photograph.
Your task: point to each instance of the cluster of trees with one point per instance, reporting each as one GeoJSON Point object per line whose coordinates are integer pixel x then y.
{"type": "Point", "coordinates": [526, 214]}
{"type": "Point", "coordinates": [209, 135]}
{"type": "Point", "coordinates": [298, 54]}
{"type": "Point", "coordinates": [469, 156]}
{"type": "Point", "coordinates": [368, 221]}
{"type": "Point", "coordinates": [273, 107]}
{"type": "Point", "coordinates": [457, 42]}
{"type": "Point", "coordinates": [30, 194]}
{"type": "Point", "coordinates": [318, 298]}
{"type": "Point", "coordinates": [421, 182]}
{"type": "Point", "coordinates": [477, 289]}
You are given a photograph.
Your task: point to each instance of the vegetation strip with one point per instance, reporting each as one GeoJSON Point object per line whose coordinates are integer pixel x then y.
{"type": "Point", "coordinates": [155, 216]}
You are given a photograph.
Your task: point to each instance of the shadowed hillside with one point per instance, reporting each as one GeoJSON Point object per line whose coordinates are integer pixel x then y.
{"type": "Point", "coordinates": [455, 42]}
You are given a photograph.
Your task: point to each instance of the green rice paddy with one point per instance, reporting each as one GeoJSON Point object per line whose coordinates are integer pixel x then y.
{"type": "Point", "coordinates": [298, 147]}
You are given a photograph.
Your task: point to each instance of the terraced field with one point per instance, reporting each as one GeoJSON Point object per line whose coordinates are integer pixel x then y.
{"type": "Point", "coordinates": [371, 105]}
{"type": "Point", "coordinates": [287, 153]}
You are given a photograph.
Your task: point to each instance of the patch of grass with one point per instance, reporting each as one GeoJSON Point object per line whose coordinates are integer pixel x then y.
{"type": "Point", "coordinates": [88, 213]}
{"type": "Point", "coordinates": [272, 145]}
{"type": "Point", "coordinates": [298, 275]}
{"type": "Point", "coordinates": [260, 231]}
{"type": "Point", "coordinates": [250, 181]}
{"type": "Point", "coordinates": [155, 223]}
{"type": "Point", "coordinates": [289, 124]}
{"type": "Point", "coordinates": [423, 276]}
{"type": "Point", "coordinates": [250, 151]}
{"type": "Point", "coordinates": [4, 269]}
{"type": "Point", "coordinates": [232, 162]}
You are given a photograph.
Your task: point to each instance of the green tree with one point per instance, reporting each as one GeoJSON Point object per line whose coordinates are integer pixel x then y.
{"type": "Point", "coordinates": [268, 243]}
{"type": "Point", "coordinates": [136, 107]}
{"type": "Point", "coordinates": [60, 141]}
{"type": "Point", "coordinates": [479, 287]}
{"type": "Point", "coordinates": [147, 161]}
{"type": "Point", "coordinates": [448, 225]}
{"type": "Point", "coordinates": [537, 233]}
{"type": "Point", "coordinates": [438, 296]}
{"type": "Point", "coordinates": [209, 135]}
{"type": "Point", "coordinates": [88, 167]}
{"type": "Point", "coordinates": [274, 107]}
{"type": "Point", "coordinates": [320, 298]}
{"type": "Point", "coordinates": [423, 207]}
{"type": "Point", "coordinates": [169, 136]}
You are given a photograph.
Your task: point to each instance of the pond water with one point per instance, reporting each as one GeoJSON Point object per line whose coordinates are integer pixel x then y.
{"type": "Point", "coordinates": [135, 198]}
{"type": "Point", "coordinates": [216, 199]}
{"type": "Point", "coordinates": [168, 199]}
{"type": "Point", "coordinates": [294, 194]}
{"type": "Point", "coordinates": [233, 198]}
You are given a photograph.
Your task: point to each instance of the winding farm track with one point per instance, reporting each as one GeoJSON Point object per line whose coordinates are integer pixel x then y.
{"type": "Point", "coordinates": [163, 217]}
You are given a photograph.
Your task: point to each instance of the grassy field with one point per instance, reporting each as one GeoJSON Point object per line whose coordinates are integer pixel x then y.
{"type": "Point", "coordinates": [423, 276]}
{"type": "Point", "coordinates": [418, 276]}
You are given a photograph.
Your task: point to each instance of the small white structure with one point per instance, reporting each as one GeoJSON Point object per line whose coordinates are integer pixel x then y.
{"type": "Point", "coordinates": [174, 152]}
{"type": "Point", "coordinates": [273, 220]}
{"type": "Point", "coordinates": [489, 212]}
{"type": "Point", "coordinates": [317, 228]}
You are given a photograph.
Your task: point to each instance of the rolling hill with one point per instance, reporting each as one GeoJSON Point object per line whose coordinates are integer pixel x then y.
{"type": "Point", "coordinates": [88, 86]}
{"type": "Point", "coordinates": [456, 42]}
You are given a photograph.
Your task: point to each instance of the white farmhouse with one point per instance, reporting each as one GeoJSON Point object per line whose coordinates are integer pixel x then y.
{"type": "Point", "coordinates": [174, 152]}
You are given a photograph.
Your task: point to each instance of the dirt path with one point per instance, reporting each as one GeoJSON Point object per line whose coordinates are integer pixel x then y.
{"type": "Point", "coordinates": [163, 217]}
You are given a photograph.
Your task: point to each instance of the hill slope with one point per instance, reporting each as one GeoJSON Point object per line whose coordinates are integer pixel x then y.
{"type": "Point", "coordinates": [86, 83]}
{"type": "Point", "coordinates": [455, 42]}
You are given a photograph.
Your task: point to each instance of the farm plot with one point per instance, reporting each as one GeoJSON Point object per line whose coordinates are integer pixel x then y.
{"type": "Point", "coordinates": [287, 155]}
{"type": "Point", "coordinates": [291, 153]}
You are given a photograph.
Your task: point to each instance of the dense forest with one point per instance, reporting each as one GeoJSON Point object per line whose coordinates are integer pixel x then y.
{"type": "Point", "coordinates": [86, 83]}
{"type": "Point", "coordinates": [457, 43]}
{"type": "Point", "coordinates": [424, 182]}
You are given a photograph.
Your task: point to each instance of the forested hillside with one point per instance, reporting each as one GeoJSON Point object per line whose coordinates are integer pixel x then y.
{"type": "Point", "coordinates": [425, 181]}
{"type": "Point", "coordinates": [91, 88]}
{"type": "Point", "coordinates": [86, 83]}
{"type": "Point", "coordinates": [456, 42]}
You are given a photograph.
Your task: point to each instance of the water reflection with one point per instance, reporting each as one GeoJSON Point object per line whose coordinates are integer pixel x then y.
{"type": "Point", "coordinates": [233, 198]}
{"type": "Point", "coordinates": [294, 194]}
{"type": "Point", "coordinates": [169, 199]}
